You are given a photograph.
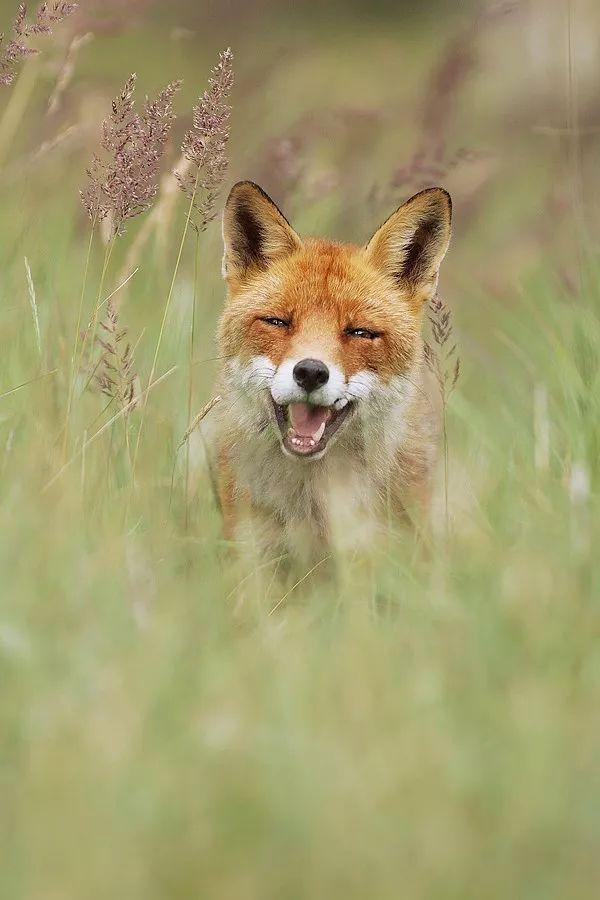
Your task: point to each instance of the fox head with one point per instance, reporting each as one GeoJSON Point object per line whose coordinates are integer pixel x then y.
{"type": "Point", "coordinates": [318, 336]}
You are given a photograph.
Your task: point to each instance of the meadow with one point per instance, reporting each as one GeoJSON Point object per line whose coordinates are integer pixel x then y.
{"type": "Point", "coordinates": [425, 726]}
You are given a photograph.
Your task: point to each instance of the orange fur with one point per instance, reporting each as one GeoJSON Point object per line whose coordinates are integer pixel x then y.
{"type": "Point", "coordinates": [290, 299]}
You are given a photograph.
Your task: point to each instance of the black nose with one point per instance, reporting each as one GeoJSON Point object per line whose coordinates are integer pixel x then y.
{"type": "Point", "coordinates": [310, 374]}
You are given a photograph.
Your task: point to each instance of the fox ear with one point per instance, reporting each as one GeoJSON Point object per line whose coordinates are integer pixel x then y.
{"type": "Point", "coordinates": [412, 243]}
{"type": "Point", "coordinates": [255, 232]}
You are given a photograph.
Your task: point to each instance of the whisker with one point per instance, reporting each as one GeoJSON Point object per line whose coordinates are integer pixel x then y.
{"type": "Point", "coordinates": [200, 362]}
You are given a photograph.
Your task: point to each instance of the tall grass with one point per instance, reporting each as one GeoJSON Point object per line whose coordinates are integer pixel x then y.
{"type": "Point", "coordinates": [425, 725]}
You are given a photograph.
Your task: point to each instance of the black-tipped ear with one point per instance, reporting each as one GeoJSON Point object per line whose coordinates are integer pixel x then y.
{"type": "Point", "coordinates": [255, 232]}
{"type": "Point", "coordinates": [412, 243]}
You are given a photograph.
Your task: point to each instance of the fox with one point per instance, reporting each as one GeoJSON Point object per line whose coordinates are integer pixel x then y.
{"type": "Point", "coordinates": [328, 429]}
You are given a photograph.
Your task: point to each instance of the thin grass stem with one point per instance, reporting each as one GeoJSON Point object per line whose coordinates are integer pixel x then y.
{"type": "Point", "coordinates": [298, 583]}
{"type": "Point", "coordinates": [76, 339]}
{"type": "Point", "coordinates": [162, 328]}
{"type": "Point", "coordinates": [34, 307]}
{"type": "Point", "coordinates": [122, 412]}
{"type": "Point", "coordinates": [27, 383]}
{"type": "Point", "coordinates": [191, 378]}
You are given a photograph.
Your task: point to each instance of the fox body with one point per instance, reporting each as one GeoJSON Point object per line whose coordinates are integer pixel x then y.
{"type": "Point", "coordinates": [327, 430]}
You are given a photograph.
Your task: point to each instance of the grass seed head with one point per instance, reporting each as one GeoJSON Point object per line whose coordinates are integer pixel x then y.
{"type": "Point", "coordinates": [115, 374]}
{"type": "Point", "coordinates": [124, 183]}
{"type": "Point", "coordinates": [205, 144]}
{"type": "Point", "coordinates": [442, 362]}
{"type": "Point", "coordinates": [17, 49]}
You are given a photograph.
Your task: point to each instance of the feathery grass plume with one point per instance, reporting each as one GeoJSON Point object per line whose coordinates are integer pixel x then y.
{"type": "Point", "coordinates": [17, 49]}
{"type": "Point", "coordinates": [115, 374]}
{"type": "Point", "coordinates": [205, 143]}
{"type": "Point", "coordinates": [158, 223]}
{"type": "Point", "coordinates": [123, 185]}
{"type": "Point", "coordinates": [443, 362]}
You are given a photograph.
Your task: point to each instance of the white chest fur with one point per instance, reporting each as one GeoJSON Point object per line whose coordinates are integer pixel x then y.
{"type": "Point", "coordinates": [325, 507]}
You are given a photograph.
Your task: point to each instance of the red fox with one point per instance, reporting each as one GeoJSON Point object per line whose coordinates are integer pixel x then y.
{"type": "Point", "coordinates": [327, 429]}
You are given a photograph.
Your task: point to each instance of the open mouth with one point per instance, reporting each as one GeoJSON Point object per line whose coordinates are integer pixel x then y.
{"type": "Point", "coordinates": [305, 429]}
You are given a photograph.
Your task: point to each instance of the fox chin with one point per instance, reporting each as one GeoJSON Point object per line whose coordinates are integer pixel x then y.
{"type": "Point", "coordinates": [328, 428]}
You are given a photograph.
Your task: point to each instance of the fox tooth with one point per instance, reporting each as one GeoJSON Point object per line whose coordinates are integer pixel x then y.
{"type": "Point", "coordinates": [319, 434]}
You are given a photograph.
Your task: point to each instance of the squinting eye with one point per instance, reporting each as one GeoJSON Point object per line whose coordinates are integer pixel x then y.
{"type": "Point", "coordinates": [362, 333]}
{"type": "Point", "coordinates": [273, 320]}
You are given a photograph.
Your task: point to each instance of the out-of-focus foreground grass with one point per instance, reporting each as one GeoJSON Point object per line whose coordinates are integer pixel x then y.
{"type": "Point", "coordinates": [427, 728]}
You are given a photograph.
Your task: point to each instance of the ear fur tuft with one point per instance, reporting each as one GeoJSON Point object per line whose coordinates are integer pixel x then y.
{"type": "Point", "coordinates": [411, 244]}
{"type": "Point", "coordinates": [255, 232]}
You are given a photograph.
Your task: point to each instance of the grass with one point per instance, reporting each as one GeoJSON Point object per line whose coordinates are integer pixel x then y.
{"type": "Point", "coordinates": [424, 727]}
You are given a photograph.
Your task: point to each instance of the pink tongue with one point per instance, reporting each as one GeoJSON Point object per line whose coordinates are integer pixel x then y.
{"type": "Point", "coordinates": [306, 420]}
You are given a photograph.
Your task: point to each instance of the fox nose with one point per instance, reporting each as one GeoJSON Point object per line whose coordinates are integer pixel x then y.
{"type": "Point", "coordinates": [310, 374]}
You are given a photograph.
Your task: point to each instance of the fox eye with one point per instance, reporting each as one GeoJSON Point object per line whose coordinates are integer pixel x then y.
{"type": "Point", "coordinates": [275, 322]}
{"type": "Point", "coordinates": [362, 333]}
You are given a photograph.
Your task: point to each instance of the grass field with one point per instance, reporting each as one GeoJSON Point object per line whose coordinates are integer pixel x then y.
{"type": "Point", "coordinates": [426, 727]}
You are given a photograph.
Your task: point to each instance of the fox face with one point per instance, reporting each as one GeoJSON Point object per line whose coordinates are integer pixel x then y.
{"type": "Point", "coordinates": [319, 337]}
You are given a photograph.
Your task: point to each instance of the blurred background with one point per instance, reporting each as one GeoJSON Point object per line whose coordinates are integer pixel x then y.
{"type": "Point", "coordinates": [343, 109]}
{"type": "Point", "coordinates": [424, 729]}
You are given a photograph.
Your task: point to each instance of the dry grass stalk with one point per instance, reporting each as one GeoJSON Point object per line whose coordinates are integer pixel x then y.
{"type": "Point", "coordinates": [62, 139]}
{"type": "Point", "coordinates": [34, 306]}
{"type": "Point", "coordinates": [205, 143]}
{"type": "Point", "coordinates": [208, 407]}
{"type": "Point", "coordinates": [65, 140]}
{"type": "Point", "coordinates": [123, 185]}
{"type": "Point", "coordinates": [17, 49]}
{"type": "Point", "coordinates": [67, 70]}
{"type": "Point", "coordinates": [115, 373]}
